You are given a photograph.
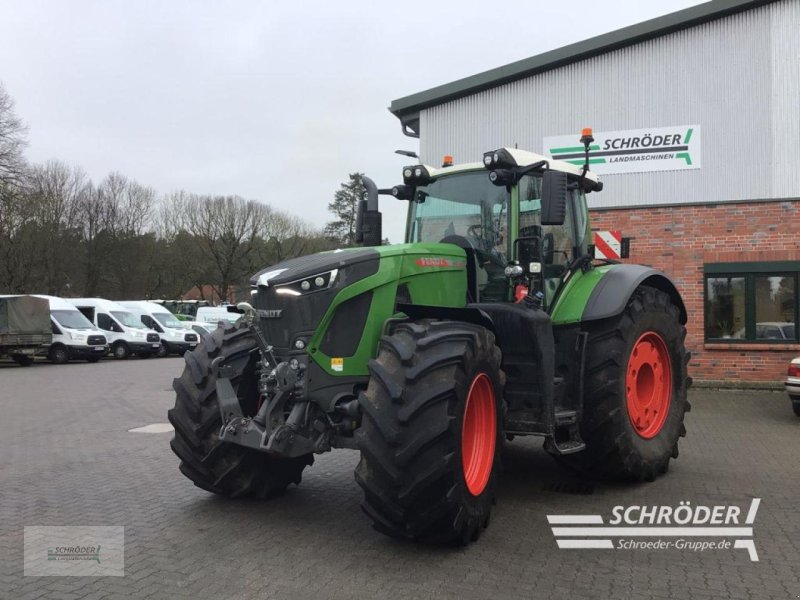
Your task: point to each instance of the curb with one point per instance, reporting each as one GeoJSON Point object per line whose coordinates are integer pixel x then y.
{"type": "Point", "coordinates": [721, 384]}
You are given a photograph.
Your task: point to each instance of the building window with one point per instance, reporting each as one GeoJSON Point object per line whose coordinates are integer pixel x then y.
{"type": "Point", "coordinates": [725, 307]}
{"type": "Point", "coordinates": [752, 302]}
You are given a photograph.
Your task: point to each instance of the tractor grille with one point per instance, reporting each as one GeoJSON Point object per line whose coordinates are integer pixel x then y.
{"type": "Point", "coordinates": [285, 318]}
{"type": "Point", "coordinates": [153, 337]}
{"type": "Point", "coordinates": [190, 337]}
{"type": "Point", "coordinates": [96, 340]}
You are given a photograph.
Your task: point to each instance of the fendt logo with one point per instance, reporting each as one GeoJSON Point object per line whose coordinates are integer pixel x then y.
{"type": "Point", "coordinates": [632, 150]}
{"type": "Point", "coordinates": [683, 527]}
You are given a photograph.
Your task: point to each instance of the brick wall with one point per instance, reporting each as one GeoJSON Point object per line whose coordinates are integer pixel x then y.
{"type": "Point", "coordinates": [679, 239]}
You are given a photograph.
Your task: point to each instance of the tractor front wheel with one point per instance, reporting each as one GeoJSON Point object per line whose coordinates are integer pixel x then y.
{"type": "Point", "coordinates": [634, 391]}
{"type": "Point", "coordinates": [431, 431]}
{"type": "Point", "coordinates": [221, 467]}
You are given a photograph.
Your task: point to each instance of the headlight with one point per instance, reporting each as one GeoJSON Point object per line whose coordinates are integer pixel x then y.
{"type": "Point", "coordinates": [138, 334]}
{"type": "Point", "coordinates": [308, 285]}
{"type": "Point", "coordinates": [78, 337]}
{"type": "Point", "coordinates": [416, 175]}
{"type": "Point", "coordinates": [499, 159]}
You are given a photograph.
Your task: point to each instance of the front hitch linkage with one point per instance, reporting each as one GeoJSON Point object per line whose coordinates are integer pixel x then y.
{"type": "Point", "coordinates": [267, 431]}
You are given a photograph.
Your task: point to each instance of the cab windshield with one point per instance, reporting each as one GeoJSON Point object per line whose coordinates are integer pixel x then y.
{"type": "Point", "coordinates": [467, 205]}
{"type": "Point", "coordinates": [168, 320]}
{"type": "Point", "coordinates": [468, 210]}
{"type": "Point", "coordinates": [128, 319]}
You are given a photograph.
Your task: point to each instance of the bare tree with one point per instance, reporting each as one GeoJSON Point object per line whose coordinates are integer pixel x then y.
{"type": "Point", "coordinates": [225, 229]}
{"type": "Point", "coordinates": [13, 140]}
{"type": "Point", "coordinates": [288, 236]}
{"type": "Point", "coordinates": [54, 192]}
{"type": "Point", "coordinates": [17, 241]}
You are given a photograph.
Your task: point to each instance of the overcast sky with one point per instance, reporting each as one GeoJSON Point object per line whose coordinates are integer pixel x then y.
{"type": "Point", "coordinates": [274, 101]}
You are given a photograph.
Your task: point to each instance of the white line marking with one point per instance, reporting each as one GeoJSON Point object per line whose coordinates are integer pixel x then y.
{"type": "Point", "coordinates": [750, 545]}
{"type": "Point", "coordinates": [605, 544]}
{"type": "Point", "coordinates": [154, 428]}
{"type": "Point", "coordinates": [751, 514]}
{"type": "Point", "coordinates": [575, 519]}
{"type": "Point", "coordinates": [653, 531]}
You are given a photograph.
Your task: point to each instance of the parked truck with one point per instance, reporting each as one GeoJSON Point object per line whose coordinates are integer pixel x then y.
{"type": "Point", "coordinates": [494, 320]}
{"type": "Point", "coordinates": [24, 327]}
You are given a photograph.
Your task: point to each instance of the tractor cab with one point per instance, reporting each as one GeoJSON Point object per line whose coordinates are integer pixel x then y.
{"type": "Point", "coordinates": [522, 227]}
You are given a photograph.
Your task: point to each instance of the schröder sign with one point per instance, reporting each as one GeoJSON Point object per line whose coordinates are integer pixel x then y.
{"type": "Point", "coordinates": [633, 150]}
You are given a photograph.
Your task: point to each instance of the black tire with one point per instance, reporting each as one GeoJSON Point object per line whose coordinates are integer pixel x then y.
{"type": "Point", "coordinates": [221, 467]}
{"type": "Point", "coordinates": [796, 407]}
{"type": "Point", "coordinates": [23, 360]}
{"type": "Point", "coordinates": [614, 448]}
{"type": "Point", "coordinates": [58, 354]}
{"type": "Point", "coordinates": [121, 351]}
{"type": "Point", "coordinates": [163, 351]}
{"type": "Point", "coordinates": [411, 433]}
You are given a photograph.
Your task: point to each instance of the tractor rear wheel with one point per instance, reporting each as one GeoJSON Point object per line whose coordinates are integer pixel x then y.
{"type": "Point", "coordinates": [634, 391]}
{"type": "Point", "coordinates": [431, 430]}
{"type": "Point", "coordinates": [222, 467]}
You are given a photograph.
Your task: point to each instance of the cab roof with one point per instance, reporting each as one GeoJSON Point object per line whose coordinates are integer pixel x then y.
{"type": "Point", "coordinates": [523, 158]}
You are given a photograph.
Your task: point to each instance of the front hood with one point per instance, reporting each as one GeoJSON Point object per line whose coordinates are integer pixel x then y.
{"type": "Point", "coordinates": [314, 264]}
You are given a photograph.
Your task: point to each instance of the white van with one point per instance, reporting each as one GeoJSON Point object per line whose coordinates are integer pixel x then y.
{"type": "Point", "coordinates": [126, 333]}
{"type": "Point", "coordinates": [214, 314]}
{"type": "Point", "coordinates": [176, 338]}
{"type": "Point", "coordinates": [74, 337]}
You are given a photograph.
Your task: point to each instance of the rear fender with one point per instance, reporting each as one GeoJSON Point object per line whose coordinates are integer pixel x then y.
{"type": "Point", "coordinates": [611, 294]}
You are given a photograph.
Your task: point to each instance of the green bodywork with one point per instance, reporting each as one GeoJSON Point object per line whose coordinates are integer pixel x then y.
{"type": "Point", "coordinates": [435, 275]}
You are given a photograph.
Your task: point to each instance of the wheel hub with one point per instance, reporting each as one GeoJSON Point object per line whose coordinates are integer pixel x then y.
{"type": "Point", "coordinates": [478, 434]}
{"type": "Point", "coordinates": [648, 384]}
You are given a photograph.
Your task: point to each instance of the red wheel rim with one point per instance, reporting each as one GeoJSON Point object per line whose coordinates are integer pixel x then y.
{"type": "Point", "coordinates": [478, 433]}
{"type": "Point", "coordinates": [648, 385]}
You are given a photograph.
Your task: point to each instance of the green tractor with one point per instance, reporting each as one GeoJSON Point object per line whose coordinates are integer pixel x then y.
{"type": "Point", "coordinates": [493, 321]}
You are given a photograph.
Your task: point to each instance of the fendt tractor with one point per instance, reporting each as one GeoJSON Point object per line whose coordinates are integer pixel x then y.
{"type": "Point", "coordinates": [492, 321]}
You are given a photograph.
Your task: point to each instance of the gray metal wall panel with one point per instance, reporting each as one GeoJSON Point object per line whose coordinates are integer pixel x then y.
{"type": "Point", "coordinates": [738, 77]}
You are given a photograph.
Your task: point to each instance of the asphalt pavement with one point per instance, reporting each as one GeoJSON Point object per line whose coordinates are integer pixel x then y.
{"type": "Point", "coordinates": [67, 457]}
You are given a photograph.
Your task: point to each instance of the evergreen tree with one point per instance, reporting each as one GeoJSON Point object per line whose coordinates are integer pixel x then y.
{"type": "Point", "coordinates": [345, 208]}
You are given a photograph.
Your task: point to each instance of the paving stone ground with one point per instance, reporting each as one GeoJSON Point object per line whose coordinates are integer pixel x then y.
{"type": "Point", "coordinates": [67, 458]}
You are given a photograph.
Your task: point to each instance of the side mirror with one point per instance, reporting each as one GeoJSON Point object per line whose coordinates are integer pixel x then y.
{"type": "Point", "coordinates": [554, 197]}
{"type": "Point", "coordinates": [369, 220]}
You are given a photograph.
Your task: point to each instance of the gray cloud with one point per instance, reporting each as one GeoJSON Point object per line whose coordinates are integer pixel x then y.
{"type": "Point", "coordinates": [272, 101]}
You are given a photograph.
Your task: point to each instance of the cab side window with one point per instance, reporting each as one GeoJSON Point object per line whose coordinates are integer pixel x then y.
{"type": "Point", "coordinates": [104, 322]}
{"type": "Point", "coordinates": [151, 323]}
{"type": "Point", "coordinates": [54, 328]}
{"type": "Point", "coordinates": [557, 240]}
